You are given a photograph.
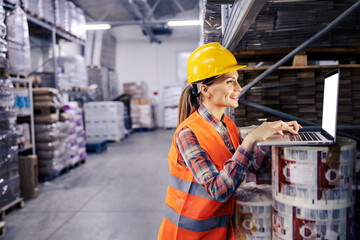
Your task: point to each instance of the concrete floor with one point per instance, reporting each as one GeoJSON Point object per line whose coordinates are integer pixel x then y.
{"type": "Point", "coordinates": [118, 194]}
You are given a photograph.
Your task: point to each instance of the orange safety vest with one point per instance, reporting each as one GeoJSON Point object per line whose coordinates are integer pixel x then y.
{"type": "Point", "coordinates": [191, 213]}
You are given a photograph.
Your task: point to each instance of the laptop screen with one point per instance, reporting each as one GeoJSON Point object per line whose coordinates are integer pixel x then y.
{"type": "Point", "coordinates": [330, 102]}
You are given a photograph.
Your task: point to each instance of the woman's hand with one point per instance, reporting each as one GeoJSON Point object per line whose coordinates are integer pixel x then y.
{"type": "Point", "coordinates": [266, 129]}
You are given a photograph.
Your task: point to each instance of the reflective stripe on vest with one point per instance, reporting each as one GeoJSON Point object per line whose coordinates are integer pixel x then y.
{"type": "Point", "coordinates": [189, 187]}
{"type": "Point", "coordinates": [196, 225]}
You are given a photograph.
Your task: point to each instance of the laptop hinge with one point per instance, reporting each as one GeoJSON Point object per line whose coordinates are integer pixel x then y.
{"type": "Point", "coordinates": [327, 135]}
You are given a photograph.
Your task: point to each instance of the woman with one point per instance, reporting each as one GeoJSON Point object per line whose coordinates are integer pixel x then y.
{"type": "Point", "coordinates": [207, 160]}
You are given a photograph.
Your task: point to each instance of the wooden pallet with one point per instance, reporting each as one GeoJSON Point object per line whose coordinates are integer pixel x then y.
{"type": "Point", "coordinates": [50, 177]}
{"type": "Point", "coordinates": [17, 203]}
{"type": "Point", "coordinates": [80, 162]}
{"type": "Point", "coordinates": [21, 85]}
{"type": "Point", "coordinates": [143, 129]}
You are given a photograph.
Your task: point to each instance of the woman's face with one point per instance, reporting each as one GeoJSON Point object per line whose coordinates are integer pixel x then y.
{"type": "Point", "coordinates": [225, 90]}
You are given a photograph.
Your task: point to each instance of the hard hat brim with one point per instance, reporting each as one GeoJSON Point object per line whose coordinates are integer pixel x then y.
{"type": "Point", "coordinates": [223, 71]}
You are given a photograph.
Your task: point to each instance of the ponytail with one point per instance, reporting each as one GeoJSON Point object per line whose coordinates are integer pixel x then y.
{"type": "Point", "coordinates": [190, 98]}
{"type": "Point", "coordinates": [189, 102]}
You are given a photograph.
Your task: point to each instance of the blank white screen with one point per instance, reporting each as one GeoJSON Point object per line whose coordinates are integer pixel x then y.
{"type": "Point", "coordinates": [330, 102]}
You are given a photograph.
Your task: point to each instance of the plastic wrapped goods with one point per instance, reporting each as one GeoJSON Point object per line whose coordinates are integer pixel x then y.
{"type": "Point", "coordinates": [52, 147]}
{"type": "Point", "coordinates": [170, 117]}
{"type": "Point", "coordinates": [73, 72]}
{"type": "Point", "coordinates": [18, 42]}
{"type": "Point", "coordinates": [9, 176]}
{"type": "Point", "coordinates": [33, 6]}
{"type": "Point", "coordinates": [171, 96]}
{"type": "Point", "coordinates": [135, 89]}
{"type": "Point", "coordinates": [8, 146]}
{"type": "Point", "coordinates": [62, 14]}
{"type": "Point", "coordinates": [211, 26]}
{"type": "Point", "coordinates": [253, 212]}
{"type": "Point", "coordinates": [7, 112]}
{"type": "Point", "coordinates": [76, 132]}
{"type": "Point", "coordinates": [81, 33]}
{"type": "Point", "coordinates": [7, 120]}
{"type": "Point", "coordinates": [48, 10]}
{"type": "Point", "coordinates": [6, 94]}
{"type": "Point", "coordinates": [104, 121]}
{"type": "Point", "coordinates": [3, 42]}
{"type": "Point", "coordinates": [141, 113]}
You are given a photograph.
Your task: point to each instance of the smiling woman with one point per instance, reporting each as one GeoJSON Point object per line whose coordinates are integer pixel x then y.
{"type": "Point", "coordinates": [207, 160]}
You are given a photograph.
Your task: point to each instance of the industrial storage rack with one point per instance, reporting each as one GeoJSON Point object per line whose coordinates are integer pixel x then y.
{"type": "Point", "coordinates": [239, 21]}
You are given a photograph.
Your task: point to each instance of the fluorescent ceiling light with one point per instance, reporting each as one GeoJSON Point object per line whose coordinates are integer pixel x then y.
{"type": "Point", "coordinates": [184, 23]}
{"type": "Point", "coordinates": [103, 26]}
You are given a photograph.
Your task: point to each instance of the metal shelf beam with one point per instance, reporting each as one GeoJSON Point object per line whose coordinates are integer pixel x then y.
{"type": "Point", "coordinates": [299, 48]}
{"type": "Point", "coordinates": [284, 60]}
{"type": "Point", "coordinates": [52, 28]}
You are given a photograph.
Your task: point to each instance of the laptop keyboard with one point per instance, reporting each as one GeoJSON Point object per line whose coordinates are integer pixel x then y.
{"type": "Point", "coordinates": [305, 136]}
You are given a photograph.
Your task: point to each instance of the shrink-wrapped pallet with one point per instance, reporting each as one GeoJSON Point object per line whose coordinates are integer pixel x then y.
{"type": "Point", "coordinates": [104, 121]}
{"type": "Point", "coordinates": [18, 42]}
{"type": "Point", "coordinates": [76, 132]}
{"type": "Point", "coordinates": [141, 113]}
{"type": "Point", "coordinates": [170, 117]}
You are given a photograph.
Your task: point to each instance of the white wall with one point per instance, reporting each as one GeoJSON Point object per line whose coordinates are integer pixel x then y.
{"type": "Point", "coordinates": [155, 64]}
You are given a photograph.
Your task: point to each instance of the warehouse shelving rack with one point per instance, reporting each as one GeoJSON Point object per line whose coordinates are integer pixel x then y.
{"type": "Point", "coordinates": [239, 22]}
{"type": "Point", "coordinates": [31, 115]}
{"type": "Point", "coordinates": [44, 30]}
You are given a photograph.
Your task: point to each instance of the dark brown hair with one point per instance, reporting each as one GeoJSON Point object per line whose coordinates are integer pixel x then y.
{"type": "Point", "coordinates": [190, 100]}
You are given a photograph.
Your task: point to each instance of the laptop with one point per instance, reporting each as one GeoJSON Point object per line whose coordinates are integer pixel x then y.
{"type": "Point", "coordinates": [316, 136]}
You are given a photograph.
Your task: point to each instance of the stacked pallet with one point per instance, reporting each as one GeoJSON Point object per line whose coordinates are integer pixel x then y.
{"type": "Point", "coordinates": [210, 15]}
{"type": "Point", "coordinates": [61, 13]}
{"type": "Point", "coordinates": [18, 43]}
{"type": "Point", "coordinates": [51, 134]}
{"type": "Point", "coordinates": [141, 111]}
{"type": "Point", "coordinates": [171, 97]}
{"type": "Point", "coordinates": [104, 121]}
{"type": "Point", "coordinates": [9, 165]}
{"type": "Point", "coordinates": [76, 133]}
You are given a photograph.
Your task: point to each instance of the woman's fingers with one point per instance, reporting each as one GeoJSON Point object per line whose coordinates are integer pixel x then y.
{"type": "Point", "coordinates": [295, 124]}
{"type": "Point", "coordinates": [285, 127]}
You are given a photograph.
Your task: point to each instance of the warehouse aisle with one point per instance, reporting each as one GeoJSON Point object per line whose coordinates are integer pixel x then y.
{"type": "Point", "coordinates": [118, 194]}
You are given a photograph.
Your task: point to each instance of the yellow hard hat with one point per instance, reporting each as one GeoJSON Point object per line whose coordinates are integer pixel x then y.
{"type": "Point", "coordinates": [210, 60]}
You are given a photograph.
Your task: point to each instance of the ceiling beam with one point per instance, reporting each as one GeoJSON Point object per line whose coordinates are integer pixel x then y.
{"type": "Point", "coordinates": [178, 5]}
{"type": "Point", "coordinates": [133, 7]}
{"type": "Point", "coordinates": [220, 2]}
{"type": "Point", "coordinates": [110, 10]}
{"type": "Point", "coordinates": [151, 12]}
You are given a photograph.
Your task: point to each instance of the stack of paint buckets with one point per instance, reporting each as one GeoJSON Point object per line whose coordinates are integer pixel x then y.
{"type": "Point", "coordinates": [313, 191]}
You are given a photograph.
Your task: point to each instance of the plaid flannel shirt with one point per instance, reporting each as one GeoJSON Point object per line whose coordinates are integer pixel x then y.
{"type": "Point", "coordinates": [219, 184]}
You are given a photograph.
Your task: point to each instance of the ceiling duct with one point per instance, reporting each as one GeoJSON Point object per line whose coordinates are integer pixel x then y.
{"type": "Point", "coordinates": [140, 10]}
